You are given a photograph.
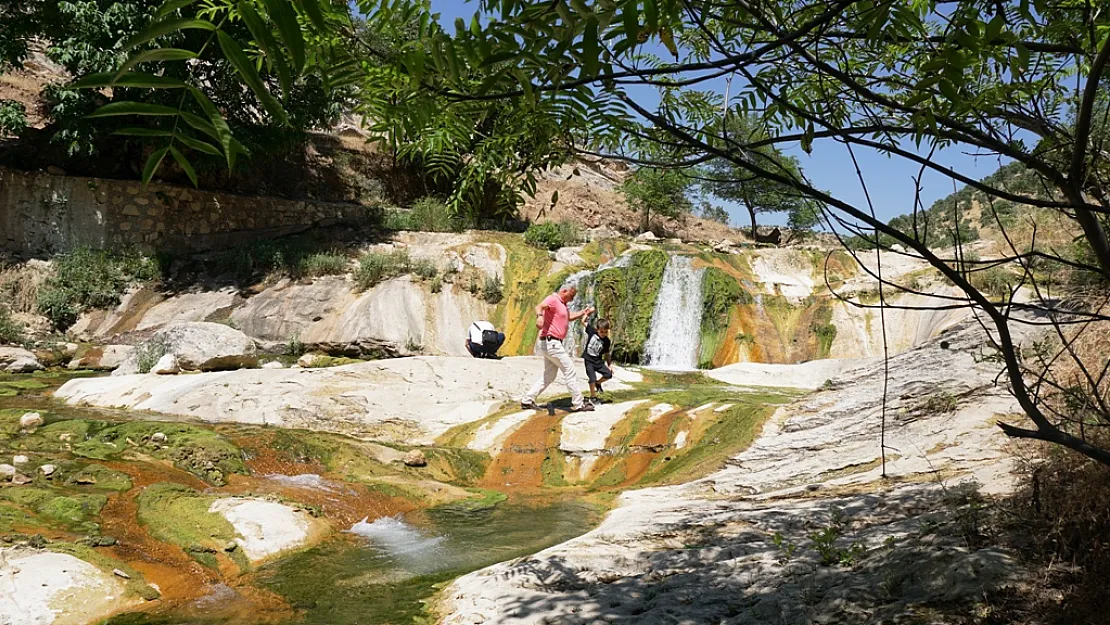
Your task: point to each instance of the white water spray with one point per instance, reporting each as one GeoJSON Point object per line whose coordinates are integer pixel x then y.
{"type": "Point", "coordinates": [676, 322]}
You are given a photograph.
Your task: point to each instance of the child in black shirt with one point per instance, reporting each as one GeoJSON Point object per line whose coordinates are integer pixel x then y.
{"type": "Point", "coordinates": [597, 357]}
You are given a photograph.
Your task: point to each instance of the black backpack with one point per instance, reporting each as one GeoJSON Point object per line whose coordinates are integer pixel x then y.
{"type": "Point", "coordinates": [489, 337]}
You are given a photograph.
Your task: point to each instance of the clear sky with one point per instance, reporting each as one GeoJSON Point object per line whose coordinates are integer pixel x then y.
{"type": "Point", "coordinates": [889, 179]}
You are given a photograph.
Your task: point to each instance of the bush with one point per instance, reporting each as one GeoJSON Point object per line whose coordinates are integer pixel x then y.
{"type": "Point", "coordinates": [491, 290]}
{"type": "Point", "coordinates": [425, 268]}
{"type": "Point", "coordinates": [323, 264]}
{"type": "Point", "coordinates": [552, 236]}
{"type": "Point", "coordinates": [90, 279]}
{"type": "Point", "coordinates": [375, 267]}
{"type": "Point", "coordinates": [430, 214]}
{"type": "Point", "coordinates": [11, 331]}
{"type": "Point", "coordinates": [148, 354]}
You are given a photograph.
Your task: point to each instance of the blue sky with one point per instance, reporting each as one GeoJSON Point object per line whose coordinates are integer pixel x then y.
{"type": "Point", "coordinates": [889, 179]}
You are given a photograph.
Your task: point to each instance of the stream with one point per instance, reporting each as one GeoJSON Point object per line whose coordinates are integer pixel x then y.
{"type": "Point", "coordinates": [385, 553]}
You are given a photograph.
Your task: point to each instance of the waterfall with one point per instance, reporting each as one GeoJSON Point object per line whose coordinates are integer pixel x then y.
{"type": "Point", "coordinates": [676, 322]}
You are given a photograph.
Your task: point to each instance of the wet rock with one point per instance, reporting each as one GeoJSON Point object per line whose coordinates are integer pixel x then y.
{"type": "Point", "coordinates": [231, 546]}
{"type": "Point", "coordinates": [20, 460]}
{"type": "Point", "coordinates": [84, 479]}
{"type": "Point", "coordinates": [19, 479]}
{"type": "Point", "coordinates": [18, 360]}
{"type": "Point", "coordinates": [415, 458]}
{"type": "Point", "coordinates": [166, 365]}
{"type": "Point", "coordinates": [7, 472]}
{"type": "Point", "coordinates": [199, 346]}
{"type": "Point", "coordinates": [158, 438]}
{"type": "Point", "coordinates": [48, 469]}
{"type": "Point", "coordinates": [101, 541]}
{"type": "Point", "coordinates": [30, 421]}
{"type": "Point", "coordinates": [120, 573]}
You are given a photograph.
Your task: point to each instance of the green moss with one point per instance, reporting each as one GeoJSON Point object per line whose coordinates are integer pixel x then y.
{"type": "Point", "coordinates": [721, 294]}
{"type": "Point", "coordinates": [626, 296]}
{"type": "Point", "coordinates": [12, 517]}
{"type": "Point", "coordinates": [321, 362]}
{"type": "Point", "coordinates": [824, 329]}
{"type": "Point", "coordinates": [69, 510]}
{"type": "Point", "coordinates": [459, 466]}
{"type": "Point", "coordinates": [483, 499]}
{"type": "Point", "coordinates": [179, 515]}
{"type": "Point", "coordinates": [598, 252]}
{"type": "Point", "coordinates": [136, 585]}
{"type": "Point", "coordinates": [201, 452]}
{"type": "Point", "coordinates": [102, 478]}
{"type": "Point", "coordinates": [554, 468]}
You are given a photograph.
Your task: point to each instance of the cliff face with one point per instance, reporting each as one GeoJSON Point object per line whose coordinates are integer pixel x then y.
{"type": "Point", "coordinates": [756, 305]}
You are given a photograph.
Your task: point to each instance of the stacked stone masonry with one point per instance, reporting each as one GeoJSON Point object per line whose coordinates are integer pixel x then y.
{"type": "Point", "coordinates": [41, 213]}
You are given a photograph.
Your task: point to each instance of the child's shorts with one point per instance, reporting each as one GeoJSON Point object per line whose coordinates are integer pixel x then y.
{"type": "Point", "coordinates": [594, 368]}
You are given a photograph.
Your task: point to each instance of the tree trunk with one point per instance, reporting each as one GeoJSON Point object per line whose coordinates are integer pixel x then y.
{"type": "Point", "coordinates": [755, 229]}
{"type": "Point", "coordinates": [646, 225]}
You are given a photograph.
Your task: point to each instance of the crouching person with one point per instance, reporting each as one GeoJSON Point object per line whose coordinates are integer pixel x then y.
{"type": "Point", "coordinates": [483, 340]}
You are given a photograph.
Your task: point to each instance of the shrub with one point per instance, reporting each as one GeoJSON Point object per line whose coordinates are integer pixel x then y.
{"type": "Point", "coordinates": [425, 268]}
{"type": "Point", "coordinates": [148, 354]}
{"type": "Point", "coordinates": [491, 290]}
{"type": "Point", "coordinates": [88, 279]}
{"type": "Point", "coordinates": [399, 219]}
{"type": "Point", "coordinates": [994, 281]}
{"type": "Point", "coordinates": [375, 267]}
{"type": "Point", "coordinates": [323, 264]}
{"type": "Point", "coordinates": [552, 236]}
{"type": "Point", "coordinates": [431, 214]}
{"type": "Point", "coordinates": [437, 284]}
{"type": "Point", "coordinates": [11, 331]}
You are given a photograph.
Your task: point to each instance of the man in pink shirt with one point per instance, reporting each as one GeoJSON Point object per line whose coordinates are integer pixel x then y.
{"type": "Point", "coordinates": [553, 319]}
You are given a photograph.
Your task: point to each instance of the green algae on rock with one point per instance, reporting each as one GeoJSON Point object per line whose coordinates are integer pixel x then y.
{"type": "Point", "coordinates": [197, 450]}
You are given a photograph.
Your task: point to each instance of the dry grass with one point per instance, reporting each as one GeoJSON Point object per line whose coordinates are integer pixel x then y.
{"type": "Point", "coordinates": [19, 287]}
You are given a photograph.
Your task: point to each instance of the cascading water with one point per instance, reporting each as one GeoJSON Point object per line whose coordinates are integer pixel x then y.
{"type": "Point", "coordinates": [676, 322]}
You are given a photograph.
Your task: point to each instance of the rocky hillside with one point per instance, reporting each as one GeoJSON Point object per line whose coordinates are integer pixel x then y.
{"type": "Point", "coordinates": [419, 292]}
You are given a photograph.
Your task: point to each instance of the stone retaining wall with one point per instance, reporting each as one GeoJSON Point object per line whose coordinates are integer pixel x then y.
{"type": "Point", "coordinates": [41, 213]}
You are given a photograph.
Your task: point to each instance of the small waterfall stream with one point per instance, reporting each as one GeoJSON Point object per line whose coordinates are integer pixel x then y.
{"type": "Point", "coordinates": [676, 321]}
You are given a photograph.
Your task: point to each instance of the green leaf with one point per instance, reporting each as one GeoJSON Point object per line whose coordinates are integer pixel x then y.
{"type": "Point", "coordinates": [143, 132]}
{"type": "Point", "coordinates": [949, 91]}
{"type": "Point", "coordinates": [283, 16]}
{"type": "Point", "coordinates": [201, 124]}
{"type": "Point", "coordinates": [158, 54]}
{"type": "Point", "coordinates": [311, 8]}
{"type": "Point", "coordinates": [199, 146]}
{"type": "Point", "coordinates": [591, 48]}
{"type": "Point", "coordinates": [266, 42]}
{"type": "Point", "coordinates": [249, 73]}
{"type": "Point", "coordinates": [165, 27]}
{"type": "Point", "coordinates": [115, 109]}
{"type": "Point", "coordinates": [651, 14]}
{"type": "Point", "coordinates": [133, 79]}
{"type": "Point", "coordinates": [185, 164]}
{"type": "Point", "coordinates": [170, 7]}
{"type": "Point", "coordinates": [153, 162]}
{"type": "Point", "coordinates": [220, 130]}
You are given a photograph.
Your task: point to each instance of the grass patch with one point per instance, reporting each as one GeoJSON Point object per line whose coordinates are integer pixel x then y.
{"type": "Point", "coordinates": [376, 267]}
{"type": "Point", "coordinates": [87, 279]}
{"type": "Point", "coordinates": [305, 255]}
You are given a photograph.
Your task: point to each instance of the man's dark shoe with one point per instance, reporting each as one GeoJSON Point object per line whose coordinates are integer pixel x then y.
{"type": "Point", "coordinates": [585, 407]}
{"type": "Point", "coordinates": [527, 405]}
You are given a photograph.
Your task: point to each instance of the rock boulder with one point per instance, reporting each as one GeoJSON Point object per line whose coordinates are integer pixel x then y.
{"type": "Point", "coordinates": [18, 360]}
{"type": "Point", "coordinates": [166, 365]}
{"type": "Point", "coordinates": [198, 346]}
{"type": "Point", "coordinates": [30, 421]}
